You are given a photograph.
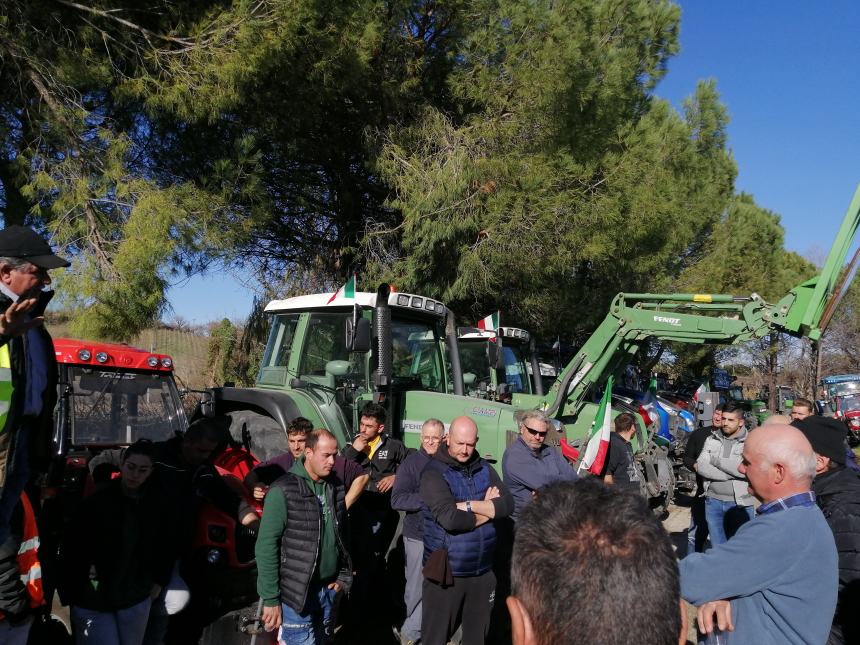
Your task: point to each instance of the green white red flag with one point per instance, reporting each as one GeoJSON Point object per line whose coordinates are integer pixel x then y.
{"type": "Point", "coordinates": [598, 442]}
{"type": "Point", "coordinates": [490, 323]}
{"type": "Point", "coordinates": [346, 291]}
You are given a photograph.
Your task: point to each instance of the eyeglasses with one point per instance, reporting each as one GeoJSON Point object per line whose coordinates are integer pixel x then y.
{"type": "Point", "coordinates": [535, 433]}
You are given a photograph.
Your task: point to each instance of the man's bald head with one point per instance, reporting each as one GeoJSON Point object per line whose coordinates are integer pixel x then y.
{"type": "Point", "coordinates": [777, 419]}
{"type": "Point", "coordinates": [462, 438]}
{"type": "Point", "coordinates": [778, 461]}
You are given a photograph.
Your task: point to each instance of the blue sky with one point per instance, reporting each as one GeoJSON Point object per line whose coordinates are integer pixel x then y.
{"type": "Point", "coordinates": [788, 73]}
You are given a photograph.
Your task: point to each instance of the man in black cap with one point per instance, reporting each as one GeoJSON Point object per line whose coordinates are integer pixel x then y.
{"type": "Point", "coordinates": [28, 366]}
{"type": "Point", "coordinates": [837, 491]}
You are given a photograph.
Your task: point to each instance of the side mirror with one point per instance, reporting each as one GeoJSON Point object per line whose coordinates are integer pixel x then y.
{"type": "Point", "coordinates": [207, 404]}
{"type": "Point", "coordinates": [357, 337]}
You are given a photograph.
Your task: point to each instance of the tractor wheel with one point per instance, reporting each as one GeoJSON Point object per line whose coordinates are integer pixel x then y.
{"type": "Point", "coordinates": [262, 436]}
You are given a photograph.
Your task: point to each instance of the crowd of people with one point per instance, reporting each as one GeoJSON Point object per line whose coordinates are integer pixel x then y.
{"type": "Point", "coordinates": [772, 552]}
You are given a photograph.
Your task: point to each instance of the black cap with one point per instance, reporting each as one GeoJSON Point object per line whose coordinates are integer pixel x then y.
{"type": "Point", "coordinates": [827, 436]}
{"type": "Point", "coordinates": [23, 242]}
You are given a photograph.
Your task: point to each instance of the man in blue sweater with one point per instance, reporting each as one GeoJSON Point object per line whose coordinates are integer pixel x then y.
{"type": "Point", "coordinates": [406, 496]}
{"type": "Point", "coordinates": [529, 464]}
{"type": "Point", "coordinates": [775, 581]}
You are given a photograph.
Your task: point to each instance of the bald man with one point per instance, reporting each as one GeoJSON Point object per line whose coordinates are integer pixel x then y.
{"type": "Point", "coordinates": [780, 569]}
{"type": "Point", "coordinates": [461, 496]}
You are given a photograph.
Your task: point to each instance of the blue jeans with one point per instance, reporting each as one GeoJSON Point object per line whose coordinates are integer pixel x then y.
{"type": "Point", "coordinates": [315, 625]}
{"type": "Point", "coordinates": [697, 534]}
{"type": "Point", "coordinates": [724, 519]}
{"type": "Point", "coordinates": [121, 627]}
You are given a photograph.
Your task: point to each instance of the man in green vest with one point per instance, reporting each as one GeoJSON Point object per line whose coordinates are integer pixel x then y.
{"type": "Point", "coordinates": [28, 366]}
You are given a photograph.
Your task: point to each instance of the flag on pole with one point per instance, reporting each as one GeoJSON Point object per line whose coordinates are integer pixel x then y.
{"type": "Point", "coordinates": [490, 323]}
{"type": "Point", "coordinates": [598, 441]}
{"type": "Point", "coordinates": [347, 290]}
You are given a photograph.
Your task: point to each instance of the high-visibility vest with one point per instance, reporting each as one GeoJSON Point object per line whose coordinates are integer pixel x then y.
{"type": "Point", "coordinates": [6, 388]}
{"type": "Point", "coordinates": [29, 567]}
{"type": "Point", "coordinates": [28, 555]}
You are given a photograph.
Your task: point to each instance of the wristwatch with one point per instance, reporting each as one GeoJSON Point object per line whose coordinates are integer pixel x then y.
{"type": "Point", "coordinates": [468, 505]}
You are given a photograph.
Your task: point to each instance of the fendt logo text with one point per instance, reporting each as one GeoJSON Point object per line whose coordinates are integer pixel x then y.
{"type": "Point", "coordinates": [675, 322]}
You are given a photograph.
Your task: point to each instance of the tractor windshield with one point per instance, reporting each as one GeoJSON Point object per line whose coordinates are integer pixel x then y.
{"type": "Point", "coordinates": [516, 374]}
{"type": "Point", "coordinates": [473, 359]}
{"type": "Point", "coordinates": [850, 403]}
{"type": "Point", "coordinates": [417, 355]}
{"type": "Point", "coordinates": [115, 407]}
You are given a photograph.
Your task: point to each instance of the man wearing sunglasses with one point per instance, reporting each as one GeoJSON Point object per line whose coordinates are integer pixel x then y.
{"type": "Point", "coordinates": [530, 464]}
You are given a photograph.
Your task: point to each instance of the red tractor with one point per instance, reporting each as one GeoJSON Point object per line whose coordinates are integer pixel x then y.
{"type": "Point", "coordinates": [111, 395]}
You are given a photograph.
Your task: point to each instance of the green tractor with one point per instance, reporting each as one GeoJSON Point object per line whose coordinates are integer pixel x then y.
{"type": "Point", "coordinates": [326, 356]}
{"type": "Point", "coordinates": [499, 363]}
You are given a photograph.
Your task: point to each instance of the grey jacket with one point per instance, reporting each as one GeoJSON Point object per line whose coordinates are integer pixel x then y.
{"type": "Point", "coordinates": [719, 461]}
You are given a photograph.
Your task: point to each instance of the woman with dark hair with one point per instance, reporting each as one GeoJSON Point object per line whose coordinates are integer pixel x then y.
{"type": "Point", "coordinates": [117, 555]}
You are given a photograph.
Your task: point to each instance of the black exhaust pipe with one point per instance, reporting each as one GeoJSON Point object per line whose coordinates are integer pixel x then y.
{"type": "Point", "coordinates": [382, 331]}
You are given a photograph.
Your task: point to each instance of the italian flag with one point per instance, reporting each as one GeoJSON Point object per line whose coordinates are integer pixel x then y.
{"type": "Point", "coordinates": [490, 323]}
{"type": "Point", "coordinates": [598, 442]}
{"type": "Point", "coordinates": [347, 290]}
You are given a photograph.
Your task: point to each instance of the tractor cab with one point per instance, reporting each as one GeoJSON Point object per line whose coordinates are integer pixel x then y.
{"type": "Point", "coordinates": [498, 363]}
{"type": "Point", "coordinates": [327, 356]}
{"type": "Point", "coordinates": [112, 395]}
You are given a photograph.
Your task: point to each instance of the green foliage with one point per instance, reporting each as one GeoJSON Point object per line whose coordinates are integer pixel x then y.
{"type": "Point", "coordinates": [744, 255]}
{"type": "Point", "coordinates": [222, 342]}
{"type": "Point", "coordinates": [495, 154]}
{"type": "Point", "coordinates": [564, 182]}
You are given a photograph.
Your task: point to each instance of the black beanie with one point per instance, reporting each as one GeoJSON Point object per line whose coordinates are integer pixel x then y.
{"type": "Point", "coordinates": [827, 436]}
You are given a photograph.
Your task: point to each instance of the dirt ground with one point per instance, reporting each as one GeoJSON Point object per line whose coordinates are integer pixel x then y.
{"type": "Point", "coordinates": [676, 524]}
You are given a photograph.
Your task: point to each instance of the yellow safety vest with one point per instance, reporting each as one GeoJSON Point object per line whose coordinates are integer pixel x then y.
{"type": "Point", "coordinates": [6, 388]}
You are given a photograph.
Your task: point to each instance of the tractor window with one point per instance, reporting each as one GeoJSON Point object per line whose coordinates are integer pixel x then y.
{"type": "Point", "coordinates": [273, 369]}
{"type": "Point", "coordinates": [473, 359]}
{"type": "Point", "coordinates": [417, 359]}
{"type": "Point", "coordinates": [516, 375]}
{"type": "Point", "coordinates": [324, 342]}
{"type": "Point", "coordinates": [110, 407]}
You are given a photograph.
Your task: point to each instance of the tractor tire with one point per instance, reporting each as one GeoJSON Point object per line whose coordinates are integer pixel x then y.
{"type": "Point", "coordinates": [262, 436]}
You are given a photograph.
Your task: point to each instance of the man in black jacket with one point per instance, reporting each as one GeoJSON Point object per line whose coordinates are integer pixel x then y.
{"type": "Point", "coordinates": [837, 491]}
{"type": "Point", "coordinates": [462, 497]}
{"type": "Point", "coordinates": [698, 531]}
{"type": "Point", "coordinates": [372, 520]}
{"type": "Point", "coordinates": [28, 366]}
{"type": "Point", "coordinates": [407, 497]}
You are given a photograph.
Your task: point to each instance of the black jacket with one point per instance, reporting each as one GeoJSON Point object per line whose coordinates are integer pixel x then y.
{"type": "Point", "coordinates": [385, 460]}
{"type": "Point", "coordinates": [692, 450]}
{"type": "Point", "coordinates": [301, 537]}
{"type": "Point", "coordinates": [186, 485]}
{"type": "Point", "coordinates": [40, 428]}
{"type": "Point", "coordinates": [406, 494]}
{"type": "Point", "coordinates": [115, 549]}
{"type": "Point", "coordinates": [838, 494]}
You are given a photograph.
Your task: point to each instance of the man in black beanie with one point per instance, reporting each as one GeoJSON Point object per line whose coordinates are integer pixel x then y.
{"type": "Point", "coordinates": [837, 491]}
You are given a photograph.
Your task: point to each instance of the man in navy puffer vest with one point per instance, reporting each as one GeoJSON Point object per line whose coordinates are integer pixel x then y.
{"type": "Point", "coordinates": [462, 496]}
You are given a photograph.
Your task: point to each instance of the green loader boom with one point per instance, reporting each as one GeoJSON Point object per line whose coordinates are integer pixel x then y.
{"type": "Point", "coordinates": [699, 318]}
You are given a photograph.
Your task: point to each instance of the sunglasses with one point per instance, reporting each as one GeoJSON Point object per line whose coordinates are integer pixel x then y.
{"type": "Point", "coordinates": [536, 433]}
